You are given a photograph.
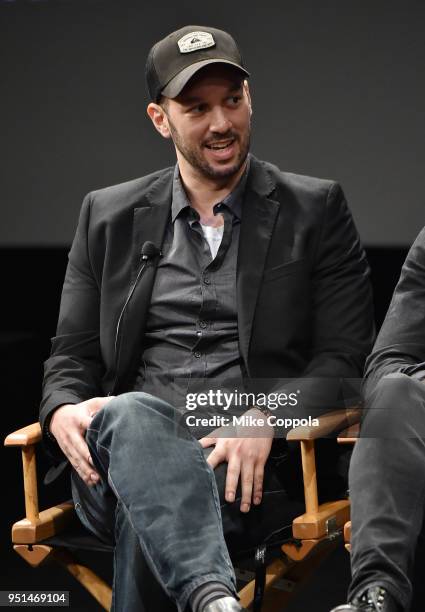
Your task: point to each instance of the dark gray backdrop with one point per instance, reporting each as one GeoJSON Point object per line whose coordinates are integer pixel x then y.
{"type": "Point", "coordinates": [338, 92]}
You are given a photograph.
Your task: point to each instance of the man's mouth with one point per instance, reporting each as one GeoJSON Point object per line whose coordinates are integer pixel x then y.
{"type": "Point", "coordinates": [220, 145]}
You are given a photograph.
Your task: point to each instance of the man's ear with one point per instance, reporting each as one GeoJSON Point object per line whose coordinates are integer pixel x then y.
{"type": "Point", "coordinates": [159, 118]}
{"type": "Point", "coordinates": [248, 95]}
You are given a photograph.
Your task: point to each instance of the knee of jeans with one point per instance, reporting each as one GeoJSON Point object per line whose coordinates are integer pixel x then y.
{"type": "Point", "coordinates": [142, 406]}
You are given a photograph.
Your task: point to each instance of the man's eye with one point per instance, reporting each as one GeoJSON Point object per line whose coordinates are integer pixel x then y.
{"type": "Point", "coordinates": [234, 100]}
{"type": "Point", "coordinates": [196, 110]}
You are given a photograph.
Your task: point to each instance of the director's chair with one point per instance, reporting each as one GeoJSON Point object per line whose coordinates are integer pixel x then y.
{"type": "Point", "coordinates": [56, 533]}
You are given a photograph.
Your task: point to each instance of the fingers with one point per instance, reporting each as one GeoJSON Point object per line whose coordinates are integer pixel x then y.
{"type": "Point", "coordinates": [70, 427]}
{"type": "Point", "coordinates": [81, 458]}
{"type": "Point", "coordinates": [95, 404]}
{"type": "Point", "coordinates": [232, 478]}
{"type": "Point", "coordinates": [102, 401]}
{"type": "Point", "coordinates": [206, 442]}
{"type": "Point", "coordinates": [77, 452]}
{"type": "Point", "coordinates": [84, 422]}
{"type": "Point", "coordinates": [247, 479]}
{"type": "Point", "coordinates": [79, 455]}
{"type": "Point", "coordinates": [257, 493]}
{"type": "Point", "coordinates": [216, 457]}
{"type": "Point", "coordinates": [92, 407]}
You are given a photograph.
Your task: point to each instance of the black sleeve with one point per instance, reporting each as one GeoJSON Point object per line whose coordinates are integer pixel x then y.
{"type": "Point", "coordinates": [74, 369]}
{"type": "Point", "coordinates": [400, 346]}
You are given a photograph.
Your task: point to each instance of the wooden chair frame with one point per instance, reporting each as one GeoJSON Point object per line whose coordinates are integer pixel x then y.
{"type": "Point", "coordinates": [316, 532]}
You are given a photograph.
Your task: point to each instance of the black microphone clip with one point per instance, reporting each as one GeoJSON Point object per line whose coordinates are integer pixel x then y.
{"type": "Point", "coordinates": [149, 250]}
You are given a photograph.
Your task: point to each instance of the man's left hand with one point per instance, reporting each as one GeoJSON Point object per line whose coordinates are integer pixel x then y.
{"type": "Point", "coordinates": [246, 456]}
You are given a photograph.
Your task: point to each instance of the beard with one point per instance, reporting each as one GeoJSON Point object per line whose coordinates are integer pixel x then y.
{"type": "Point", "coordinates": [193, 155]}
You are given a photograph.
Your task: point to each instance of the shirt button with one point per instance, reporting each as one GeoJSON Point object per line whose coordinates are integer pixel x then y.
{"type": "Point", "coordinates": [206, 280]}
{"type": "Point", "coordinates": [202, 324]}
{"type": "Point", "coordinates": [197, 354]}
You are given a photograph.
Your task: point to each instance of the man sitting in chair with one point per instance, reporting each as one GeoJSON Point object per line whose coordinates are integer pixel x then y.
{"type": "Point", "coordinates": [387, 472]}
{"type": "Point", "coordinates": [221, 268]}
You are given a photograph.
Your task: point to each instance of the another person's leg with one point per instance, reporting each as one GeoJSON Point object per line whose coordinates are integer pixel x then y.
{"type": "Point", "coordinates": [387, 492]}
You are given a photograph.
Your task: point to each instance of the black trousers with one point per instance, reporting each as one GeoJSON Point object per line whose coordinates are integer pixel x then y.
{"type": "Point", "coordinates": [387, 487]}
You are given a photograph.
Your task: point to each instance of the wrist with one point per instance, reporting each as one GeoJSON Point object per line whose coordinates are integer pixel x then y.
{"type": "Point", "coordinates": [264, 410]}
{"type": "Point", "coordinates": [47, 432]}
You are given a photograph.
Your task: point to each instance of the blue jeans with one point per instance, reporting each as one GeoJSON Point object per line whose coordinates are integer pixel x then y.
{"type": "Point", "coordinates": [162, 506]}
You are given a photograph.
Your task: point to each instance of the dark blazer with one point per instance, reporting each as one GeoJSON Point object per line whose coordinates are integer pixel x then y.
{"type": "Point", "coordinates": [303, 294]}
{"type": "Point", "coordinates": [400, 346]}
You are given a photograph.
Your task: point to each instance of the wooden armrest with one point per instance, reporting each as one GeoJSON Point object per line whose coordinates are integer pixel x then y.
{"type": "Point", "coordinates": [329, 423]}
{"type": "Point", "coordinates": [49, 522]}
{"type": "Point", "coordinates": [31, 434]}
{"type": "Point", "coordinates": [26, 438]}
{"type": "Point", "coordinates": [349, 435]}
{"type": "Point", "coordinates": [347, 532]}
{"type": "Point", "coordinates": [37, 525]}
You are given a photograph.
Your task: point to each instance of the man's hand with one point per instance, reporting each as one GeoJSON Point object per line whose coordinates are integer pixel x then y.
{"type": "Point", "coordinates": [68, 425]}
{"type": "Point", "coordinates": [246, 456]}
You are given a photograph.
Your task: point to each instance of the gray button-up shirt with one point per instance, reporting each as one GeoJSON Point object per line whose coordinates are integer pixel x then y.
{"type": "Point", "coordinates": [191, 333]}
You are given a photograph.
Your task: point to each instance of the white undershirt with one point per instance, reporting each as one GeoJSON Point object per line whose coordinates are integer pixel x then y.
{"type": "Point", "coordinates": [213, 236]}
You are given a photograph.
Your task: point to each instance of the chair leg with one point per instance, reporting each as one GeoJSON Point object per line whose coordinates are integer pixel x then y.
{"type": "Point", "coordinates": [97, 587]}
{"type": "Point", "coordinates": [301, 571]}
{"type": "Point", "coordinates": [36, 554]}
{"type": "Point", "coordinates": [295, 574]}
{"type": "Point", "coordinates": [277, 569]}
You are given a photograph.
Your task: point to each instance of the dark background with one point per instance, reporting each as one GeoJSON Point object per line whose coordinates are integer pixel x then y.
{"type": "Point", "coordinates": [338, 92]}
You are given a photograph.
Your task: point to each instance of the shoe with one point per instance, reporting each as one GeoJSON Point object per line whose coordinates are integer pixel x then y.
{"type": "Point", "coordinates": [373, 599]}
{"type": "Point", "coordinates": [224, 604]}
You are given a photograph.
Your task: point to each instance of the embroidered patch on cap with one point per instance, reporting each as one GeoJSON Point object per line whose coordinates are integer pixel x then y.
{"type": "Point", "coordinates": [195, 41]}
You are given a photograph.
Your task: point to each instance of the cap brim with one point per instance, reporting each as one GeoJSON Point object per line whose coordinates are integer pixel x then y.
{"type": "Point", "coordinates": [176, 85]}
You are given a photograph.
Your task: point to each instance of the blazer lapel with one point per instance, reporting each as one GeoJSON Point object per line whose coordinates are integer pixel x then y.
{"type": "Point", "coordinates": [149, 224]}
{"type": "Point", "coordinates": [258, 219]}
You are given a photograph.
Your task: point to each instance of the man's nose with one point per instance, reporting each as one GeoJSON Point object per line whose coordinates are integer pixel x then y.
{"type": "Point", "coordinates": [219, 121]}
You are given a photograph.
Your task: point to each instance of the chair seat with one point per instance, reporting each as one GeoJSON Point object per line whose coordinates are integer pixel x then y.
{"type": "Point", "coordinates": [77, 537]}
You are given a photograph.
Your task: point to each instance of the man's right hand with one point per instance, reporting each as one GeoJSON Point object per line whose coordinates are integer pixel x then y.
{"type": "Point", "coordinates": [68, 424]}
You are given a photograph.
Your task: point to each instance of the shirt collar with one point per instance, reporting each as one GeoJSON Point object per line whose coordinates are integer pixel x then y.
{"type": "Point", "coordinates": [233, 200]}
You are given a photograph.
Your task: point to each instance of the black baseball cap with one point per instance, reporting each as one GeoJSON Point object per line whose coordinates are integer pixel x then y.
{"type": "Point", "coordinates": [174, 60]}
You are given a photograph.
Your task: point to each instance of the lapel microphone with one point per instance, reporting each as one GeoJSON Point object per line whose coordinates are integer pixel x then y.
{"type": "Point", "coordinates": [148, 252]}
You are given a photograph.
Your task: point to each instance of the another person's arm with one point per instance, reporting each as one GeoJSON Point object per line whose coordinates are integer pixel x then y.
{"type": "Point", "coordinates": [400, 346]}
